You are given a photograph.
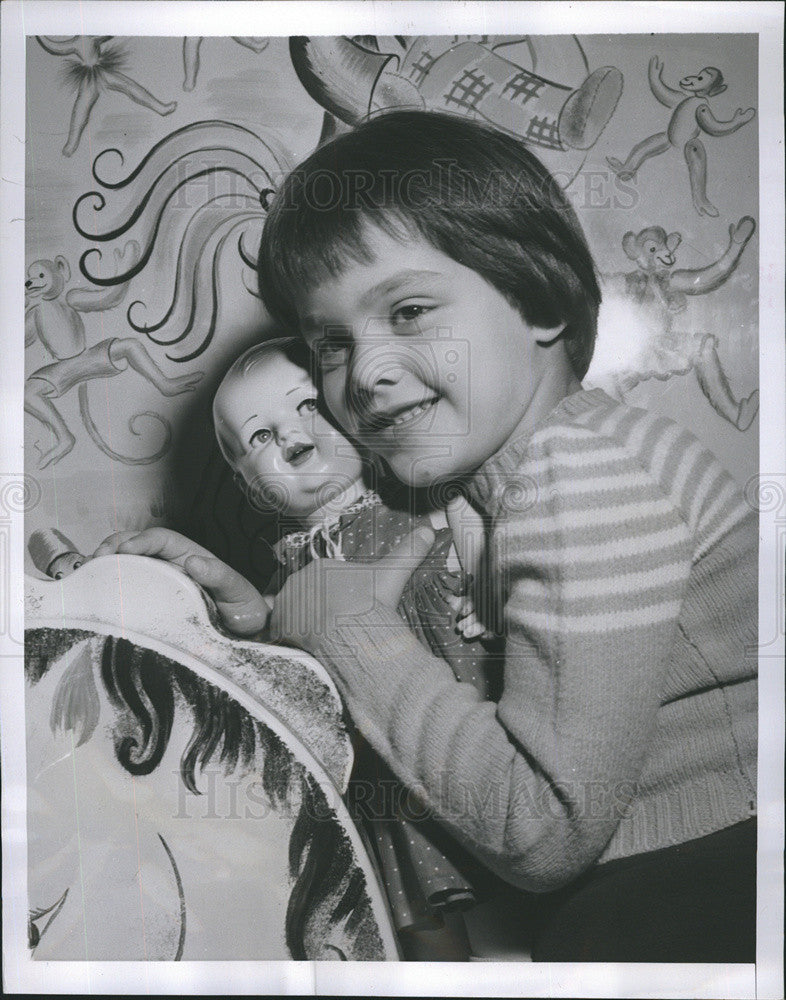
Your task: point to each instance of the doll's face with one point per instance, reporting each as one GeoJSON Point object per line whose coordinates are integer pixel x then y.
{"type": "Point", "coordinates": [290, 457]}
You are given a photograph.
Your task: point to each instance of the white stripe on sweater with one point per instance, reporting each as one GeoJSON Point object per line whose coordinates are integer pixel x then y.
{"type": "Point", "coordinates": [666, 448]}
{"type": "Point", "coordinates": [630, 584]}
{"type": "Point", "coordinates": [577, 521]}
{"type": "Point", "coordinates": [633, 619]}
{"type": "Point", "coordinates": [608, 551]}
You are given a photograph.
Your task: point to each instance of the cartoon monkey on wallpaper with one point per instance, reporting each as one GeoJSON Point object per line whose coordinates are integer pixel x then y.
{"type": "Point", "coordinates": [658, 287]}
{"type": "Point", "coordinates": [653, 250]}
{"type": "Point", "coordinates": [691, 116]}
{"type": "Point", "coordinates": [54, 317]}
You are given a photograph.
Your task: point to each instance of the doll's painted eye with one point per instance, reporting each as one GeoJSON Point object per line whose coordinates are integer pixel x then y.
{"type": "Point", "coordinates": [260, 437]}
{"type": "Point", "coordinates": [307, 406]}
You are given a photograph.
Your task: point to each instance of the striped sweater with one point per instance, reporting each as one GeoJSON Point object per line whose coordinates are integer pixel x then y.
{"type": "Point", "coordinates": [625, 563]}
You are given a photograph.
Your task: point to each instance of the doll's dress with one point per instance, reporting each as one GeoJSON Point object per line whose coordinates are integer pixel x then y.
{"type": "Point", "coordinates": [422, 867]}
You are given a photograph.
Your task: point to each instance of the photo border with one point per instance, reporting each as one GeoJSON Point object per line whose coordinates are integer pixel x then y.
{"type": "Point", "coordinates": [29, 17]}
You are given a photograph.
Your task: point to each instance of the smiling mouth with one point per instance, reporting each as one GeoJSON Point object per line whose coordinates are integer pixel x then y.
{"type": "Point", "coordinates": [401, 417]}
{"type": "Point", "coordinates": [299, 454]}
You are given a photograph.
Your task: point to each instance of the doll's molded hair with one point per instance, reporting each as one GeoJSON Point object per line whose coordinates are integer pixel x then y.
{"type": "Point", "coordinates": [474, 193]}
{"type": "Point", "coordinates": [292, 348]}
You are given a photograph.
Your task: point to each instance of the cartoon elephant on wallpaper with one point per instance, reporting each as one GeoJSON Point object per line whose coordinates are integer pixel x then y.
{"type": "Point", "coordinates": [351, 78]}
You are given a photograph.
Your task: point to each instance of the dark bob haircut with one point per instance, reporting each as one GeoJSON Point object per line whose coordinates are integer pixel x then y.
{"type": "Point", "coordinates": [475, 194]}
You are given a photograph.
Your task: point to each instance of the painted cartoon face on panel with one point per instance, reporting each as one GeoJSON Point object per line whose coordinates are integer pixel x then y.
{"type": "Point", "coordinates": [652, 249]}
{"type": "Point", "coordinates": [271, 432]}
{"type": "Point", "coordinates": [704, 83]}
{"type": "Point", "coordinates": [46, 279]}
{"type": "Point", "coordinates": [421, 359]}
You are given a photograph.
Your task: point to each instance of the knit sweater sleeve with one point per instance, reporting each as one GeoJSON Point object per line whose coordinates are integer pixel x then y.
{"type": "Point", "coordinates": [593, 566]}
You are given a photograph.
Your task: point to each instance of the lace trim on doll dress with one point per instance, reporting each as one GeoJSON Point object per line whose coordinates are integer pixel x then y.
{"type": "Point", "coordinates": [328, 533]}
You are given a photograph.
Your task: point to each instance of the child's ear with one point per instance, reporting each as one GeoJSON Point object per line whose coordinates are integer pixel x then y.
{"type": "Point", "coordinates": [545, 337]}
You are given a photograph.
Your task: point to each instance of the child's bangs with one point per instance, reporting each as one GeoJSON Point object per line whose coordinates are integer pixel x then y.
{"type": "Point", "coordinates": [304, 245]}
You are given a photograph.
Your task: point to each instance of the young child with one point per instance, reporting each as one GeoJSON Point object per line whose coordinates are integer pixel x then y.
{"type": "Point", "coordinates": [293, 463]}
{"type": "Point", "coordinates": [442, 280]}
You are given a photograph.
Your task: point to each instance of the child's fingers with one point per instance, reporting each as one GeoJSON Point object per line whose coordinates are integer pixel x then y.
{"type": "Point", "coordinates": [243, 609]}
{"type": "Point", "coordinates": [455, 602]}
{"type": "Point", "coordinates": [470, 626]}
{"type": "Point", "coordinates": [476, 630]}
{"type": "Point", "coordinates": [109, 546]}
{"type": "Point", "coordinates": [161, 543]}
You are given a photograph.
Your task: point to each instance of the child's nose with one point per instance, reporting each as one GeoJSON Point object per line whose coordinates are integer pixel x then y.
{"type": "Point", "coordinates": [376, 366]}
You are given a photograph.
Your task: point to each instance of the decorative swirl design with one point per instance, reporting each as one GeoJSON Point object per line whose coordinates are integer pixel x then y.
{"type": "Point", "coordinates": [330, 497]}
{"type": "Point", "coordinates": [267, 497]}
{"type": "Point", "coordinates": [214, 299]}
{"type": "Point", "coordinates": [766, 493]}
{"type": "Point", "coordinates": [194, 249]}
{"type": "Point", "coordinates": [212, 135]}
{"type": "Point", "coordinates": [444, 491]}
{"type": "Point", "coordinates": [133, 423]}
{"type": "Point", "coordinates": [245, 256]}
{"type": "Point", "coordinates": [154, 201]}
{"type": "Point", "coordinates": [191, 189]}
{"type": "Point", "coordinates": [516, 493]}
{"type": "Point", "coordinates": [19, 494]}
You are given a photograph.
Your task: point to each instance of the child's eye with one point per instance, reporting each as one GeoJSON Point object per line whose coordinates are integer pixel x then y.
{"type": "Point", "coordinates": [408, 313]}
{"type": "Point", "coordinates": [260, 437]}
{"type": "Point", "coordinates": [307, 406]}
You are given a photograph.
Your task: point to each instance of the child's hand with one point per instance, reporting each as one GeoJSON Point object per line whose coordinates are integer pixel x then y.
{"type": "Point", "coordinates": [328, 592]}
{"type": "Point", "coordinates": [243, 609]}
{"type": "Point", "coordinates": [469, 624]}
{"type": "Point", "coordinates": [459, 596]}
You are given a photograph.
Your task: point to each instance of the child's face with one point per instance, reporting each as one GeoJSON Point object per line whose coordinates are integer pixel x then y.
{"type": "Point", "coordinates": [423, 360]}
{"type": "Point", "coordinates": [277, 441]}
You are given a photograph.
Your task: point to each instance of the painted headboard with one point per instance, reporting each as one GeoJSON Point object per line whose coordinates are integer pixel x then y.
{"type": "Point", "coordinates": [184, 789]}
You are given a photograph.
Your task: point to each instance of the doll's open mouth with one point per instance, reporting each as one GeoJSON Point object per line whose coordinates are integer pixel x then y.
{"type": "Point", "coordinates": [299, 454]}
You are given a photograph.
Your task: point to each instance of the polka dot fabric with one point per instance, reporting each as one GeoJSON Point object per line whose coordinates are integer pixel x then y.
{"type": "Point", "coordinates": [424, 871]}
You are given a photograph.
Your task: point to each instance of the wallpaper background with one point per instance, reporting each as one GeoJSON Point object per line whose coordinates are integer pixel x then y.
{"type": "Point", "coordinates": [87, 494]}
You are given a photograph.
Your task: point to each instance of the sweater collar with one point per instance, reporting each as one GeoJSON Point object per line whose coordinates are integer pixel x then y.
{"type": "Point", "coordinates": [492, 481]}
